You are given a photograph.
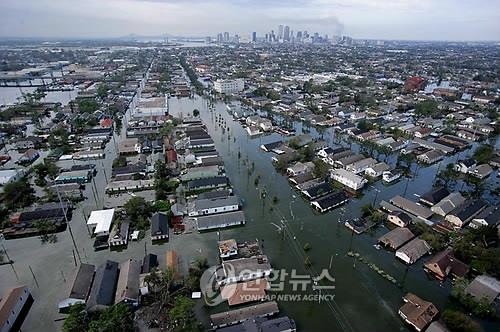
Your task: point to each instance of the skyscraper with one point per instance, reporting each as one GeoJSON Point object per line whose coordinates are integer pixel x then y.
{"type": "Point", "coordinates": [219, 38]}
{"type": "Point", "coordinates": [286, 33]}
{"type": "Point", "coordinates": [280, 31]}
{"type": "Point", "coordinates": [226, 36]}
{"type": "Point", "coordinates": [254, 37]}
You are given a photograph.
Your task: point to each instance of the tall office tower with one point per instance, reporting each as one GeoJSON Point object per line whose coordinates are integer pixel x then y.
{"type": "Point", "coordinates": [299, 35]}
{"type": "Point", "coordinates": [226, 36]}
{"type": "Point", "coordinates": [305, 34]}
{"type": "Point", "coordinates": [219, 38]}
{"type": "Point", "coordinates": [280, 31]}
{"type": "Point", "coordinates": [254, 37]}
{"type": "Point", "coordinates": [272, 37]}
{"type": "Point", "coordinates": [286, 33]}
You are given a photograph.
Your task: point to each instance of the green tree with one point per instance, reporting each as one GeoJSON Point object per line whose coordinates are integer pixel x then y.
{"type": "Point", "coordinates": [77, 320]}
{"type": "Point", "coordinates": [195, 272]}
{"type": "Point", "coordinates": [87, 105]}
{"type": "Point", "coordinates": [117, 318]}
{"type": "Point", "coordinates": [181, 314]}
{"type": "Point", "coordinates": [18, 194]}
{"type": "Point", "coordinates": [457, 321]}
{"type": "Point", "coordinates": [484, 153]}
{"type": "Point", "coordinates": [137, 208]}
{"type": "Point", "coordinates": [427, 108]}
{"type": "Point", "coordinates": [321, 169]}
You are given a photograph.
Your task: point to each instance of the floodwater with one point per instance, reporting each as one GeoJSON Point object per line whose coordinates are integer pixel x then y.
{"type": "Point", "coordinates": [363, 300]}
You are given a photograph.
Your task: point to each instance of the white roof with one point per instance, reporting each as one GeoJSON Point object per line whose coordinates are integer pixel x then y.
{"type": "Point", "coordinates": [102, 219]}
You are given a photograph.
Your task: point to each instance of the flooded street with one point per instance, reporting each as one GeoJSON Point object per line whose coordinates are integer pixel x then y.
{"type": "Point", "coordinates": [359, 291]}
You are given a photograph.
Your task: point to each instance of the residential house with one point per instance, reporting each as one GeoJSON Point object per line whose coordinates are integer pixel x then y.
{"type": "Point", "coordinates": [227, 248]}
{"type": "Point", "coordinates": [127, 287]}
{"type": "Point", "coordinates": [343, 162]}
{"type": "Point", "coordinates": [28, 157]}
{"type": "Point", "coordinates": [434, 196]}
{"type": "Point", "coordinates": [481, 171]}
{"type": "Point", "coordinates": [361, 165]}
{"type": "Point", "coordinates": [221, 220]}
{"type": "Point", "coordinates": [448, 204]}
{"type": "Point", "coordinates": [244, 269]}
{"type": "Point", "coordinates": [14, 306]}
{"type": "Point", "coordinates": [464, 213]}
{"type": "Point", "coordinates": [78, 286]}
{"type": "Point", "coordinates": [203, 207]}
{"type": "Point", "coordinates": [129, 146]}
{"type": "Point", "coordinates": [399, 218]}
{"type": "Point", "coordinates": [103, 288]}
{"type": "Point", "coordinates": [149, 263]}
{"type": "Point", "coordinates": [413, 251]}
{"type": "Point", "coordinates": [396, 238]}
{"type": "Point", "coordinates": [159, 227]}
{"type": "Point", "coordinates": [484, 288]}
{"type": "Point", "coordinates": [31, 142]}
{"type": "Point", "coordinates": [377, 170]}
{"type": "Point", "coordinates": [411, 207]}
{"type": "Point", "coordinates": [299, 168]}
{"type": "Point", "coordinates": [330, 201]}
{"type": "Point", "coordinates": [430, 157]}
{"type": "Point", "coordinates": [489, 216]}
{"type": "Point", "coordinates": [209, 183]}
{"type": "Point", "coordinates": [417, 312]}
{"type": "Point", "coordinates": [318, 190]}
{"type": "Point", "coordinates": [348, 179]}
{"type": "Point", "coordinates": [444, 264]}
{"type": "Point", "coordinates": [119, 234]}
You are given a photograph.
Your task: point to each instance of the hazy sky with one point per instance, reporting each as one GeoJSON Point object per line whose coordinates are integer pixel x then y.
{"type": "Point", "coordinates": [384, 19]}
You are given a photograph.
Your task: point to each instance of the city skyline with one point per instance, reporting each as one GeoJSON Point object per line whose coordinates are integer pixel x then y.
{"type": "Point", "coordinates": [399, 20]}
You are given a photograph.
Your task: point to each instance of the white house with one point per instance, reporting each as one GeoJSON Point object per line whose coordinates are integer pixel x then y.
{"type": "Point", "coordinates": [101, 220]}
{"type": "Point", "coordinates": [229, 86]}
{"type": "Point", "coordinates": [413, 250]}
{"type": "Point", "coordinates": [203, 207]}
{"type": "Point", "coordinates": [377, 170]}
{"type": "Point", "coordinates": [245, 269]}
{"type": "Point", "coordinates": [299, 168]}
{"type": "Point", "coordinates": [464, 166]}
{"type": "Point", "coordinates": [348, 179]}
{"type": "Point", "coordinates": [361, 165]}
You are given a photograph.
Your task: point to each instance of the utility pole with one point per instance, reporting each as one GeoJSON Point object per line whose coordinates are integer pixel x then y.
{"type": "Point", "coordinates": [67, 223]}
{"type": "Point", "coordinates": [34, 278]}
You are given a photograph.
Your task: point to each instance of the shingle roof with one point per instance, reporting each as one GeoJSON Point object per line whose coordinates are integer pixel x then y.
{"type": "Point", "coordinates": [103, 289]}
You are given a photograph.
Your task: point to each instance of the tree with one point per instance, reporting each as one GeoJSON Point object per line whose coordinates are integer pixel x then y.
{"type": "Point", "coordinates": [181, 314]}
{"type": "Point", "coordinates": [77, 320]}
{"type": "Point", "coordinates": [18, 194]}
{"type": "Point", "coordinates": [484, 153]}
{"type": "Point", "coordinates": [102, 91]}
{"type": "Point", "coordinates": [321, 169]}
{"type": "Point", "coordinates": [196, 113]}
{"type": "Point", "coordinates": [42, 170]}
{"type": "Point", "coordinates": [426, 108]}
{"type": "Point", "coordinates": [364, 125]}
{"type": "Point", "coordinates": [137, 208]}
{"type": "Point", "coordinates": [87, 106]}
{"type": "Point", "coordinates": [117, 318]}
{"type": "Point", "coordinates": [195, 272]}
{"type": "Point", "coordinates": [457, 321]}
